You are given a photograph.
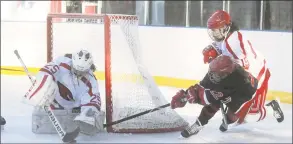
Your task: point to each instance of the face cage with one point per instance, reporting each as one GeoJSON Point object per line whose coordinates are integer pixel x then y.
{"type": "Point", "coordinates": [218, 34]}
{"type": "Point", "coordinates": [216, 77]}
{"type": "Point", "coordinates": [79, 73]}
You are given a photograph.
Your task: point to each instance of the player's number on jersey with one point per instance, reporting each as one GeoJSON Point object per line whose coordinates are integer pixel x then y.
{"type": "Point", "coordinates": [226, 100]}
{"type": "Point", "coordinates": [220, 95]}
{"type": "Point", "coordinates": [95, 98]}
{"type": "Point", "coordinates": [52, 68]}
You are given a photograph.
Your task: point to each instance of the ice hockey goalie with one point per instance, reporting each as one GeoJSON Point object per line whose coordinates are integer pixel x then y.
{"type": "Point", "coordinates": [69, 87]}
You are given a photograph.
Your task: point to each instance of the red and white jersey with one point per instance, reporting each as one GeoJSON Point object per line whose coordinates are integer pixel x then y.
{"type": "Point", "coordinates": [73, 91]}
{"type": "Point", "coordinates": [241, 49]}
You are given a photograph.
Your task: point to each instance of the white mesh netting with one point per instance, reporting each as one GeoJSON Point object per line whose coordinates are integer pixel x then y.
{"type": "Point", "coordinates": [133, 88]}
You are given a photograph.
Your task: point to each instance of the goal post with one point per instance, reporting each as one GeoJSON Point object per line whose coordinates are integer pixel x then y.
{"type": "Point", "coordinates": [113, 40]}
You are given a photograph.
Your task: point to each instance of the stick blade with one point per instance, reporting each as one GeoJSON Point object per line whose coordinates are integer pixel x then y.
{"type": "Point", "coordinates": [71, 135]}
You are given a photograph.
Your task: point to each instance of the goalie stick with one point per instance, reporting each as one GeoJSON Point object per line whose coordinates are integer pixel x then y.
{"type": "Point", "coordinates": [65, 136]}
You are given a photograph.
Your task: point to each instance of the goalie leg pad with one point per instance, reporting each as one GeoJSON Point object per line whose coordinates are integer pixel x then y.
{"type": "Point", "coordinates": [90, 120]}
{"type": "Point", "coordinates": [41, 123]}
{"type": "Point", "coordinates": [43, 90]}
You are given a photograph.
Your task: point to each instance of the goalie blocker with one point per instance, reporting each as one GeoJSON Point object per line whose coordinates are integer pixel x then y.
{"type": "Point", "coordinates": [69, 86]}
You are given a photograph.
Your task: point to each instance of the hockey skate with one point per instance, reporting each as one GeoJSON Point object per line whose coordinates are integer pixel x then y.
{"type": "Point", "coordinates": [192, 130]}
{"type": "Point", "coordinates": [223, 127]}
{"type": "Point", "coordinates": [278, 113]}
{"type": "Point", "coordinates": [229, 119]}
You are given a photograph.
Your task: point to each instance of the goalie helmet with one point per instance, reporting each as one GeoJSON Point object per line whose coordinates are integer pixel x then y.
{"type": "Point", "coordinates": [219, 25]}
{"type": "Point", "coordinates": [81, 62]}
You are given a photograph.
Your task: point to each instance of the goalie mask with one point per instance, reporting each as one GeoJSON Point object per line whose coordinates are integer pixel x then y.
{"type": "Point", "coordinates": [81, 62]}
{"type": "Point", "coordinates": [219, 25]}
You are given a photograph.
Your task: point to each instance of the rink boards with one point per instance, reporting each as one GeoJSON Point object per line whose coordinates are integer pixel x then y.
{"type": "Point", "coordinates": [285, 97]}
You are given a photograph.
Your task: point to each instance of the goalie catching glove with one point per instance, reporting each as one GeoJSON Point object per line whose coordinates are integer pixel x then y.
{"type": "Point", "coordinates": [90, 120]}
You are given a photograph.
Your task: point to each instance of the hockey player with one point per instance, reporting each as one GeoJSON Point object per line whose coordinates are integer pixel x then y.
{"type": "Point", "coordinates": [228, 40]}
{"type": "Point", "coordinates": [67, 83]}
{"type": "Point", "coordinates": [226, 82]}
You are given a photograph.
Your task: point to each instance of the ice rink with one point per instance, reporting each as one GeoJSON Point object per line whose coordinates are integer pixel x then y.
{"type": "Point", "coordinates": [18, 126]}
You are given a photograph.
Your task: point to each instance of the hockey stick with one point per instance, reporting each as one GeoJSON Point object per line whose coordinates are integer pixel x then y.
{"type": "Point", "coordinates": [65, 136]}
{"type": "Point", "coordinates": [224, 125]}
{"type": "Point", "coordinates": [136, 115]}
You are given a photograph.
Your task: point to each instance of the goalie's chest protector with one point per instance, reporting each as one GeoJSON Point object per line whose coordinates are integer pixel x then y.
{"type": "Point", "coordinates": [71, 88]}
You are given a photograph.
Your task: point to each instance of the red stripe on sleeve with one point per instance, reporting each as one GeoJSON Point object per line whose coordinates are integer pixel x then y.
{"type": "Point", "coordinates": [201, 97]}
{"type": "Point", "coordinates": [241, 43]}
{"type": "Point", "coordinates": [66, 66]}
{"type": "Point", "coordinates": [88, 84]}
{"type": "Point", "coordinates": [47, 71]}
{"type": "Point", "coordinates": [229, 48]}
{"type": "Point", "coordinates": [252, 49]}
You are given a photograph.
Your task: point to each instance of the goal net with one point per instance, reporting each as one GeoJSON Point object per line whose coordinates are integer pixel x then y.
{"type": "Point", "coordinates": [114, 43]}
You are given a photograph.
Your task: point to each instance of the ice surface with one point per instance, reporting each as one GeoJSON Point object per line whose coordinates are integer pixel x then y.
{"type": "Point", "coordinates": [18, 126]}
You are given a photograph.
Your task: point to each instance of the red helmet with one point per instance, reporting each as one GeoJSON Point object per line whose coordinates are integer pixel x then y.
{"type": "Point", "coordinates": [220, 68]}
{"type": "Point", "coordinates": [219, 25]}
{"type": "Point", "coordinates": [219, 19]}
{"type": "Point", "coordinates": [222, 64]}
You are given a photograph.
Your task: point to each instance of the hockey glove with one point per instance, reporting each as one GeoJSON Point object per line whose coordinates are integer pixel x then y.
{"type": "Point", "coordinates": [195, 93]}
{"type": "Point", "coordinates": [178, 100]}
{"type": "Point", "coordinates": [209, 53]}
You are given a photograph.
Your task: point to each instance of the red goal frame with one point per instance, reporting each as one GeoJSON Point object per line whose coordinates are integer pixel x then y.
{"type": "Point", "coordinates": [107, 41]}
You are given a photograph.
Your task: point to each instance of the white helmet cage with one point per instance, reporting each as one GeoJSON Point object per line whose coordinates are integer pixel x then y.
{"type": "Point", "coordinates": [219, 34]}
{"type": "Point", "coordinates": [81, 62]}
